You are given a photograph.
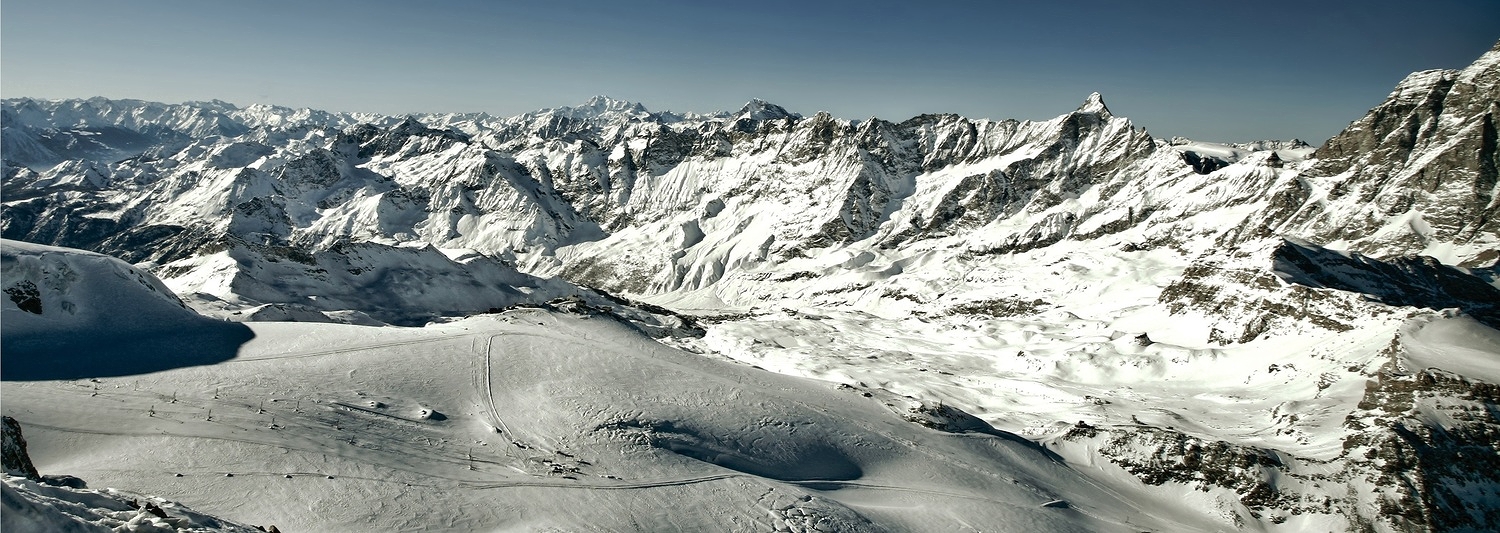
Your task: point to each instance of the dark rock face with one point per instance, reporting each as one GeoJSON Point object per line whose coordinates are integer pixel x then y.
{"type": "Point", "coordinates": [1402, 281]}
{"type": "Point", "coordinates": [1203, 164]}
{"type": "Point", "coordinates": [1426, 474]}
{"type": "Point", "coordinates": [407, 135]}
{"type": "Point", "coordinates": [1249, 303]}
{"type": "Point", "coordinates": [17, 462]}
{"type": "Point", "coordinates": [26, 296]}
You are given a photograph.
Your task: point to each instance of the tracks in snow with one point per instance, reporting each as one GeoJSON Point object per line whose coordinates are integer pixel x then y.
{"type": "Point", "coordinates": [304, 433]}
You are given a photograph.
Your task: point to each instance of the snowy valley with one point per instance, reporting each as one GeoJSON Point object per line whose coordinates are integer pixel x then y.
{"type": "Point", "coordinates": [606, 318]}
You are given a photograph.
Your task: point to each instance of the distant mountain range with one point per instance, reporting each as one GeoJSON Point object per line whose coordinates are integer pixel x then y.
{"type": "Point", "coordinates": [825, 247]}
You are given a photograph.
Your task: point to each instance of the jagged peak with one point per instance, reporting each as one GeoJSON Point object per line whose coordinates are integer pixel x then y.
{"type": "Point", "coordinates": [1094, 104]}
{"type": "Point", "coordinates": [599, 107]}
{"type": "Point", "coordinates": [409, 126]}
{"type": "Point", "coordinates": [1271, 144]}
{"type": "Point", "coordinates": [602, 103]}
{"type": "Point", "coordinates": [757, 109]}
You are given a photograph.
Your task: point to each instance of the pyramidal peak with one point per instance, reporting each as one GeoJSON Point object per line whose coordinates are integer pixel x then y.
{"type": "Point", "coordinates": [1094, 104]}
{"type": "Point", "coordinates": [410, 125]}
{"type": "Point", "coordinates": [757, 109]}
{"type": "Point", "coordinates": [814, 230]}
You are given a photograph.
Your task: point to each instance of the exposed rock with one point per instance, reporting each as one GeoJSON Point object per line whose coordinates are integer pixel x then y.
{"type": "Point", "coordinates": [1159, 455]}
{"type": "Point", "coordinates": [1403, 281]}
{"type": "Point", "coordinates": [1430, 473]}
{"type": "Point", "coordinates": [1427, 154]}
{"type": "Point", "coordinates": [1238, 291]}
{"type": "Point", "coordinates": [17, 461]}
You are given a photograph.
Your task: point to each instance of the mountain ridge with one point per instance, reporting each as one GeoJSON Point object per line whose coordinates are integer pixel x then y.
{"type": "Point", "coordinates": [1073, 280]}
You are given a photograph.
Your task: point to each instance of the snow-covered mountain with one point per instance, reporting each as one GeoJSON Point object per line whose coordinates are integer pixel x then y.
{"type": "Point", "coordinates": [1289, 338]}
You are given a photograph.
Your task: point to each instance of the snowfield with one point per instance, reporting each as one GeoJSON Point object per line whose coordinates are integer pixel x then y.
{"type": "Point", "coordinates": [535, 419]}
{"type": "Point", "coordinates": [532, 419]}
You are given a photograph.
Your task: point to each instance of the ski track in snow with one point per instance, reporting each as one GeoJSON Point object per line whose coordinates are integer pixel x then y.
{"type": "Point", "coordinates": [301, 423]}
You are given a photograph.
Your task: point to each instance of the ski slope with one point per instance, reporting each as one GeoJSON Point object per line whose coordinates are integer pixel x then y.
{"type": "Point", "coordinates": [528, 419]}
{"type": "Point", "coordinates": [535, 420]}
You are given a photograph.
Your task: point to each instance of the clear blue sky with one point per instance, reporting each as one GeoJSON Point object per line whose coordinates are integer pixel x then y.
{"type": "Point", "coordinates": [1224, 71]}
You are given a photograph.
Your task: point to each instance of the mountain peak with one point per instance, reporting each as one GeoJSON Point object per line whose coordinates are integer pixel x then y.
{"type": "Point", "coordinates": [601, 104]}
{"type": "Point", "coordinates": [1094, 104]}
{"type": "Point", "coordinates": [757, 109]}
{"type": "Point", "coordinates": [409, 125]}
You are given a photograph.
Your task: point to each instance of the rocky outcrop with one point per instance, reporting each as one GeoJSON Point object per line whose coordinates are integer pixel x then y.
{"type": "Point", "coordinates": [1418, 453]}
{"type": "Point", "coordinates": [1245, 299]}
{"type": "Point", "coordinates": [1428, 441]}
{"type": "Point", "coordinates": [17, 461]}
{"type": "Point", "coordinates": [1158, 456]}
{"type": "Point", "coordinates": [1413, 281]}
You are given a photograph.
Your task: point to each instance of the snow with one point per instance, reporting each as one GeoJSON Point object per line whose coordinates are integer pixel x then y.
{"type": "Point", "coordinates": [1456, 344]}
{"type": "Point", "coordinates": [1025, 373]}
{"type": "Point", "coordinates": [546, 421]}
{"type": "Point", "coordinates": [1093, 104]}
{"type": "Point", "coordinates": [80, 291]}
{"type": "Point", "coordinates": [32, 506]}
{"type": "Point", "coordinates": [757, 109]}
{"type": "Point", "coordinates": [393, 284]}
{"type": "Point", "coordinates": [1040, 276]}
{"type": "Point", "coordinates": [83, 306]}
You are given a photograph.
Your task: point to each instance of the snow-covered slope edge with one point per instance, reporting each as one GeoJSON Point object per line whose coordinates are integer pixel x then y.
{"type": "Point", "coordinates": [29, 506]}
{"type": "Point", "coordinates": [32, 503]}
{"type": "Point", "coordinates": [59, 290]}
{"type": "Point", "coordinates": [75, 314]}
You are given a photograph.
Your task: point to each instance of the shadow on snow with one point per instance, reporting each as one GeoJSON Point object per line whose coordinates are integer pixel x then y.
{"type": "Point", "coordinates": [56, 357]}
